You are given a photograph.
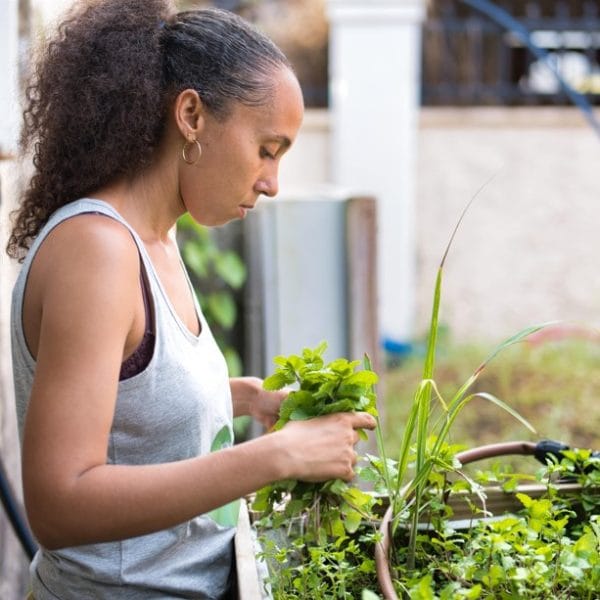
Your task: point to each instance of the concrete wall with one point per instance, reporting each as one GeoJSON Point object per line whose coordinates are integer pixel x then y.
{"type": "Point", "coordinates": [526, 251]}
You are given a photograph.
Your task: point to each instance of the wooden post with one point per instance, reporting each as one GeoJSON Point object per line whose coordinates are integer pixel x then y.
{"type": "Point", "coordinates": [362, 292]}
{"type": "Point", "coordinates": [361, 269]}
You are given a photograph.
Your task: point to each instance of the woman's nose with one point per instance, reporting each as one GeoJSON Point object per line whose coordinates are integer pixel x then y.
{"type": "Point", "coordinates": [268, 185]}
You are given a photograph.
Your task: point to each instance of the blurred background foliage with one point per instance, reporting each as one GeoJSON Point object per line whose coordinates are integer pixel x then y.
{"type": "Point", "coordinates": [217, 275]}
{"type": "Point", "coordinates": [554, 384]}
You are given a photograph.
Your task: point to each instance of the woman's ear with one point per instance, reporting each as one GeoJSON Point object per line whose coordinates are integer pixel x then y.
{"type": "Point", "coordinates": [189, 114]}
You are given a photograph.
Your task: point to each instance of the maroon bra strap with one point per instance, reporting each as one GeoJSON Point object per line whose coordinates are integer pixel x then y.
{"type": "Point", "coordinates": [139, 360]}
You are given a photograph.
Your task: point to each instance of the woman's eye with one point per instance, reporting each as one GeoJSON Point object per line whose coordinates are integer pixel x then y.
{"type": "Point", "coordinates": [264, 153]}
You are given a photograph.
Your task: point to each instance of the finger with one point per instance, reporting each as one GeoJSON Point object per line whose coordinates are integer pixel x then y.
{"type": "Point", "coordinates": [364, 421]}
{"type": "Point", "coordinates": [350, 475]}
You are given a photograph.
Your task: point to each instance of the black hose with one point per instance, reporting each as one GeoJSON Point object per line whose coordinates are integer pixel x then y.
{"type": "Point", "coordinates": [548, 449]}
{"type": "Point", "coordinates": [15, 515]}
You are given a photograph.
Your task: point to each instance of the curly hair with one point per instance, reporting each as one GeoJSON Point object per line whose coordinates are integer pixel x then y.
{"type": "Point", "coordinates": [97, 104]}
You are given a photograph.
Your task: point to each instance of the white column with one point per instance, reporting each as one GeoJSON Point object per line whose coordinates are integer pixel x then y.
{"type": "Point", "coordinates": [374, 93]}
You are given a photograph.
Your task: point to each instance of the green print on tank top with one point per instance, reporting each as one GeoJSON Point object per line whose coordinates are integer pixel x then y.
{"type": "Point", "coordinates": [226, 516]}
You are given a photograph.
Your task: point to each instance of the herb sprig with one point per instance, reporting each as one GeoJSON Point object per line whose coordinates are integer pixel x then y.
{"type": "Point", "coordinates": [321, 389]}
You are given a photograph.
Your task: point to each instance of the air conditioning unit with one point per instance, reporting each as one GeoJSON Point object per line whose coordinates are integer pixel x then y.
{"type": "Point", "coordinates": [311, 278]}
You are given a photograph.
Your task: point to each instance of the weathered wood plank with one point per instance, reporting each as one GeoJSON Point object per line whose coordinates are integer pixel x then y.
{"type": "Point", "coordinates": [361, 242]}
{"type": "Point", "coordinates": [361, 269]}
{"type": "Point", "coordinates": [249, 587]}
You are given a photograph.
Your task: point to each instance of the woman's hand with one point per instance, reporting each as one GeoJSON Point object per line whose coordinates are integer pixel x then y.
{"type": "Point", "coordinates": [249, 398]}
{"type": "Point", "coordinates": [323, 448]}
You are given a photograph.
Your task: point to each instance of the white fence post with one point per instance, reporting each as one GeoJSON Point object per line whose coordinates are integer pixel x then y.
{"type": "Point", "coordinates": [374, 87]}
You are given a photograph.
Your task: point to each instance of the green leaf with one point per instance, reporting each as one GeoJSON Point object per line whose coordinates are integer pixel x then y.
{"type": "Point", "coordinates": [234, 362]}
{"type": "Point", "coordinates": [277, 381]}
{"type": "Point", "coordinates": [229, 266]}
{"type": "Point", "coordinates": [280, 360]}
{"type": "Point", "coordinates": [315, 353]}
{"type": "Point", "coordinates": [361, 378]}
{"type": "Point", "coordinates": [196, 259]}
{"type": "Point", "coordinates": [515, 339]}
{"type": "Point", "coordinates": [423, 590]}
{"type": "Point", "coordinates": [344, 405]}
{"type": "Point", "coordinates": [586, 546]}
{"type": "Point", "coordinates": [353, 390]}
{"type": "Point", "coordinates": [356, 497]}
{"type": "Point", "coordinates": [342, 366]}
{"type": "Point", "coordinates": [301, 414]}
{"type": "Point", "coordinates": [352, 518]}
{"type": "Point", "coordinates": [298, 402]}
{"type": "Point", "coordinates": [507, 408]}
{"type": "Point", "coordinates": [240, 426]}
{"type": "Point", "coordinates": [221, 307]}
{"type": "Point", "coordinates": [186, 222]}
{"type": "Point", "coordinates": [369, 595]}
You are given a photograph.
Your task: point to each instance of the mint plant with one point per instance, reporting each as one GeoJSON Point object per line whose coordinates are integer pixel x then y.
{"type": "Point", "coordinates": [550, 546]}
{"type": "Point", "coordinates": [333, 507]}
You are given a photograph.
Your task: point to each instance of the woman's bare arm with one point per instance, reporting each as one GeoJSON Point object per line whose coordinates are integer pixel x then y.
{"type": "Point", "coordinates": [249, 398]}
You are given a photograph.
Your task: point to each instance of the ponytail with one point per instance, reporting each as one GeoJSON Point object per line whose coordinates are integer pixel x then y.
{"type": "Point", "coordinates": [96, 109]}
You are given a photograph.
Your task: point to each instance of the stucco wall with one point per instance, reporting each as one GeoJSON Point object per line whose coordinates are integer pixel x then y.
{"type": "Point", "coordinates": [526, 251]}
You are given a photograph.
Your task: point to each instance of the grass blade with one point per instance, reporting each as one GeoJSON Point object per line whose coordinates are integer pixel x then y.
{"type": "Point", "coordinates": [515, 339]}
{"type": "Point", "coordinates": [367, 364]}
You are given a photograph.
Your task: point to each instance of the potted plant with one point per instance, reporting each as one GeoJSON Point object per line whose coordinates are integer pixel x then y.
{"type": "Point", "coordinates": [402, 537]}
{"type": "Point", "coordinates": [340, 539]}
{"type": "Point", "coordinates": [521, 541]}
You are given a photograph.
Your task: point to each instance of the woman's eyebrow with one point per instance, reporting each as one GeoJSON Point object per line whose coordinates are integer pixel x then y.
{"type": "Point", "coordinates": [282, 140]}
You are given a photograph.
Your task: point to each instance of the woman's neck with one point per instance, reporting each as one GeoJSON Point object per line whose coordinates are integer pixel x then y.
{"type": "Point", "coordinates": [146, 202]}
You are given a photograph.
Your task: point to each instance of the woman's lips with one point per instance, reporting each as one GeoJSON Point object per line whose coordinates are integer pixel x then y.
{"type": "Point", "coordinates": [244, 208]}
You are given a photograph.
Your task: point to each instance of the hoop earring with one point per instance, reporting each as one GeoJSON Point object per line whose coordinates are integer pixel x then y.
{"type": "Point", "coordinates": [184, 152]}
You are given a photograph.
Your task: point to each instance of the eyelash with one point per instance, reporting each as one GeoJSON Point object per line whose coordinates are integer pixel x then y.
{"type": "Point", "coordinates": [264, 153]}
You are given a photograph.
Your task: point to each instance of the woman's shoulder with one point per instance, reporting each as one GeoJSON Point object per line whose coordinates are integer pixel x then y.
{"type": "Point", "coordinates": [97, 236]}
{"type": "Point", "coordinates": [88, 246]}
{"type": "Point", "coordinates": [85, 272]}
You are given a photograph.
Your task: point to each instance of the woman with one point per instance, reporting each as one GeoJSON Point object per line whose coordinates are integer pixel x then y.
{"type": "Point", "coordinates": [136, 115]}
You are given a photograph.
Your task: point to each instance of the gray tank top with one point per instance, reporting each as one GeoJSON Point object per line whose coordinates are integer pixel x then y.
{"type": "Point", "coordinates": [178, 407]}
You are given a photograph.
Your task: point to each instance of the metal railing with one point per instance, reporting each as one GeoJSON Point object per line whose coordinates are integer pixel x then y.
{"type": "Point", "coordinates": [468, 59]}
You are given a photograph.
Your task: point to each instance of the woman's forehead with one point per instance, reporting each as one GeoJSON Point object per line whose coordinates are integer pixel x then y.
{"type": "Point", "coordinates": [279, 118]}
